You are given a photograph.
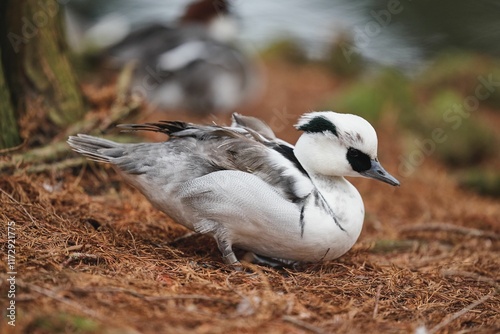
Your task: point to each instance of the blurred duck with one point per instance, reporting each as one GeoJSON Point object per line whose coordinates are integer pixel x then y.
{"type": "Point", "coordinates": [191, 65]}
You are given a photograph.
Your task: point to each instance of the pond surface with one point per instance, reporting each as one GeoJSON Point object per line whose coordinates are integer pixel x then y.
{"type": "Point", "coordinates": [390, 32]}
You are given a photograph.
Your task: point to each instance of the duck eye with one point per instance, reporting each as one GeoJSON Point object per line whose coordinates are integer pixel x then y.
{"type": "Point", "coordinates": [358, 160]}
{"type": "Point", "coordinates": [352, 152]}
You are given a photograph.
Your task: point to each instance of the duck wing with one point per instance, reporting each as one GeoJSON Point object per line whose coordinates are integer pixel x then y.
{"type": "Point", "coordinates": [240, 149]}
{"type": "Point", "coordinates": [253, 123]}
{"type": "Point", "coordinates": [144, 44]}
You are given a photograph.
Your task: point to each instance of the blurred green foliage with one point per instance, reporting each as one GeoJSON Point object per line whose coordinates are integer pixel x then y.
{"type": "Point", "coordinates": [343, 59]}
{"type": "Point", "coordinates": [484, 182]}
{"type": "Point", "coordinates": [286, 49]}
{"type": "Point", "coordinates": [439, 97]}
{"type": "Point", "coordinates": [467, 140]}
{"type": "Point", "coordinates": [462, 72]}
{"type": "Point", "coordinates": [370, 97]}
{"type": "Point", "coordinates": [63, 323]}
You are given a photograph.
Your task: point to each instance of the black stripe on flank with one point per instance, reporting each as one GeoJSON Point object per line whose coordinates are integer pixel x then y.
{"type": "Point", "coordinates": [319, 124]}
{"type": "Point", "coordinates": [287, 152]}
{"type": "Point", "coordinates": [326, 253]}
{"type": "Point", "coordinates": [321, 202]}
{"type": "Point", "coordinates": [302, 223]}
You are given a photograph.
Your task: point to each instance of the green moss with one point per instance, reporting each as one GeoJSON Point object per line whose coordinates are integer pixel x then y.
{"type": "Point", "coordinates": [47, 67]}
{"type": "Point", "coordinates": [285, 49]}
{"type": "Point", "coordinates": [63, 323]}
{"type": "Point", "coordinates": [343, 59]}
{"type": "Point", "coordinates": [484, 182]}
{"type": "Point", "coordinates": [462, 72]}
{"type": "Point", "coordinates": [361, 99]}
{"type": "Point", "coordinates": [385, 246]}
{"type": "Point", "coordinates": [370, 98]}
{"type": "Point", "coordinates": [466, 140]}
{"type": "Point", "coordinates": [450, 69]}
{"type": "Point", "coordinates": [468, 145]}
{"type": "Point", "coordinates": [430, 114]}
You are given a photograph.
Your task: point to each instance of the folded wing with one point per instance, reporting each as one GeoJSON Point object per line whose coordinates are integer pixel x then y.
{"type": "Point", "coordinates": [243, 149]}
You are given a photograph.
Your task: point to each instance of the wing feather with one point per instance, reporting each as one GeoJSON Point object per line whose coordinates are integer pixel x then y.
{"type": "Point", "coordinates": [241, 148]}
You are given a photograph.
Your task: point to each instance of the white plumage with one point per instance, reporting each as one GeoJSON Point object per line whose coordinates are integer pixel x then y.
{"type": "Point", "coordinates": [249, 189]}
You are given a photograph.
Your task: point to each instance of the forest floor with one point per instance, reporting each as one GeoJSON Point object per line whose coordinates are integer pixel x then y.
{"type": "Point", "coordinates": [93, 256]}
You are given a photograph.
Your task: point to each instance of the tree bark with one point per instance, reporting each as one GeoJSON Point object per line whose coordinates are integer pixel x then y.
{"type": "Point", "coordinates": [35, 63]}
{"type": "Point", "coordinates": [9, 134]}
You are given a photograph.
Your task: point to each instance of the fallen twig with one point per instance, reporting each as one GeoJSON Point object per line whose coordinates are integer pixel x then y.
{"type": "Point", "coordinates": [303, 324]}
{"type": "Point", "coordinates": [133, 242]}
{"type": "Point", "coordinates": [458, 314]}
{"type": "Point", "coordinates": [77, 306]}
{"type": "Point", "coordinates": [124, 103]}
{"type": "Point", "coordinates": [53, 295]}
{"type": "Point", "coordinates": [387, 246]}
{"type": "Point", "coordinates": [468, 274]}
{"type": "Point", "coordinates": [12, 149]}
{"type": "Point", "coordinates": [80, 256]}
{"type": "Point", "coordinates": [65, 250]}
{"type": "Point", "coordinates": [56, 166]}
{"type": "Point", "coordinates": [151, 298]}
{"type": "Point", "coordinates": [377, 299]}
{"type": "Point", "coordinates": [48, 154]}
{"type": "Point", "coordinates": [56, 150]}
{"type": "Point", "coordinates": [182, 237]}
{"type": "Point", "coordinates": [450, 228]}
{"type": "Point", "coordinates": [19, 206]}
{"type": "Point", "coordinates": [122, 107]}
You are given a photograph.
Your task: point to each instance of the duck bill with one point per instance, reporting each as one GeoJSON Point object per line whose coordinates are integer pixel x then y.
{"type": "Point", "coordinates": [378, 172]}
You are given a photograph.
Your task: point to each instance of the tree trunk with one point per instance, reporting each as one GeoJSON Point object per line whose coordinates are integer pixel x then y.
{"type": "Point", "coordinates": [35, 65]}
{"type": "Point", "coordinates": [9, 134]}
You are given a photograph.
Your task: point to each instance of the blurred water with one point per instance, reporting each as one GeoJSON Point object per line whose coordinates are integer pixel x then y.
{"type": "Point", "coordinates": [314, 23]}
{"type": "Point", "coordinates": [389, 32]}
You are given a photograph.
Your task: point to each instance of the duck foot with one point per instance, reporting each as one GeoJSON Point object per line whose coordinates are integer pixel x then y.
{"type": "Point", "coordinates": [231, 260]}
{"type": "Point", "coordinates": [228, 255]}
{"type": "Point", "coordinates": [271, 262]}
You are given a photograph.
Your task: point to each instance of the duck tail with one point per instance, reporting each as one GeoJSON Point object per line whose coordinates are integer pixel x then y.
{"type": "Point", "coordinates": [96, 149]}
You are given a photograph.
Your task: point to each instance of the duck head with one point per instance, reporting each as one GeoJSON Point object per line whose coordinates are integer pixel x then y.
{"type": "Point", "coordinates": [335, 144]}
{"type": "Point", "coordinates": [215, 16]}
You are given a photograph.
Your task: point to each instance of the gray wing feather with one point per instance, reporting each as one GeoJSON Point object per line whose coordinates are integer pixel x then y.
{"type": "Point", "coordinates": [244, 148]}
{"type": "Point", "coordinates": [97, 149]}
{"type": "Point", "coordinates": [197, 150]}
{"type": "Point", "coordinates": [253, 123]}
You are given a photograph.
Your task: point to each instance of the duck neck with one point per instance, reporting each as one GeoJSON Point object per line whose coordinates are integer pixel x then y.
{"type": "Point", "coordinates": [342, 199]}
{"type": "Point", "coordinates": [325, 184]}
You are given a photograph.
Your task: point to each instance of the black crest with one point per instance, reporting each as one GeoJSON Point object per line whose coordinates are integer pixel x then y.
{"type": "Point", "coordinates": [319, 124]}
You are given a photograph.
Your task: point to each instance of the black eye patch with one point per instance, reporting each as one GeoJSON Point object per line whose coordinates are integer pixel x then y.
{"type": "Point", "coordinates": [358, 160]}
{"type": "Point", "coordinates": [319, 124]}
